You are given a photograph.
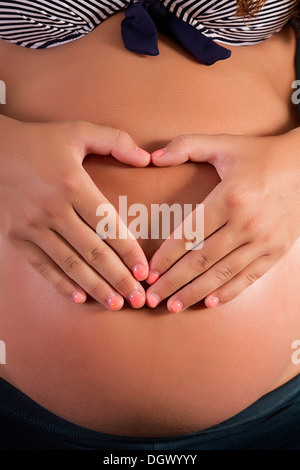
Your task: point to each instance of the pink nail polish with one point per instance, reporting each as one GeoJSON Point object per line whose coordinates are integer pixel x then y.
{"type": "Point", "coordinates": [159, 153]}
{"type": "Point", "coordinates": [153, 300]}
{"type": "Point", "coordinates": [176, 306]}
{"type": "Point", "coordinates": [152, 278]}
{"type": "Point", "coordinates": [143, 152]}
{"type": "Point", "coordinates": [211, 301]}
{"type": "Point", "coordinates": [115, 302]}
{"type": "Point", "coordinates": [139, 272]}
{"type": "Point", "coordinates": [137, 299]}
{"type": "Point", "coordinates": [78, 297]}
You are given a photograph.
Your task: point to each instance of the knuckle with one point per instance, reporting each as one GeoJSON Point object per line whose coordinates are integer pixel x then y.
{"type": "Point", "coordinates": [71, 264]}
{"type": "Point", "coordinates": [252, 224]}
{"type": "Point", "coordinates": [250, 277]}
{"type": "Point", "coordinates": [280, 247]}
{"type": "Point", "coordinates": [69, 184]}
{"type": "Point", "coordinates": [60, 286]}
{"type": "Point", "coordinates": [12, 233]}
{"type": "Point", "coordinates": [237, 198]}
{"type": "Point", "coordinates": [122, 139]}
{"type": "Point", "coordinates": [182, 141]}
{"type": "Point", "coordinates": [275, 247]}
{"type": "Point", "coordinates": [49, 208]}
{"type": "Point", "coordinates": [123, 283]}
{"type": "Point", "coordinates": [166, 260]}
{"type": "Point", "coordinates": [171, 285]}
{"type": "Point", "coordinates": [268, 239]}
{"type": "Point", "coordinates": [195, 293]}
{"type": "Point", "coordinates": [30, 220]}
{"type": "Point", "coordinates": [230, 293]}
{"type": "Point", "coordinates": [121, 136]}
{"type": "Point", "coordinates": [96, 290]}
{"type": "Point", "coordinates": [97, 256]}
{"type": "Point", "coordinates": [200, 263]}
{"type": "Point", "coordinates": [41, 267]}
{"type": "Point", "coordinates": [283, 247]}
{"type": "Point", "coordinates": [223, 273]}
{"type": "Point", "coordinates": [128, 253]}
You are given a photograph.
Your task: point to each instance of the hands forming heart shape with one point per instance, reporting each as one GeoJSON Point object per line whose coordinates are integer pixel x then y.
{"type": "Point", "coordinates": [251, 217]}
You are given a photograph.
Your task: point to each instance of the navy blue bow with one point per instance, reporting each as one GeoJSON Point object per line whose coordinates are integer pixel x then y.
{"type": "Point", "coordinates": [140, 35]}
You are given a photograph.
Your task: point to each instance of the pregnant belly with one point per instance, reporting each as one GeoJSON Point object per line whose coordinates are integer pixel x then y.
{"type": "Point", "coordinates": [148, 372]}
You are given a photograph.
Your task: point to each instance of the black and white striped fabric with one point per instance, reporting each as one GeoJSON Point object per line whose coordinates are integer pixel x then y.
{"type": "Point", "coordinates": [43, 23]}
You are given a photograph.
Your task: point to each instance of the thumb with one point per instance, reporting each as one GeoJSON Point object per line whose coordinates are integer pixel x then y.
{"type": "Point", "coordinates": [214, 149]}
{"type": "Point", "coordinates": [102, 140]}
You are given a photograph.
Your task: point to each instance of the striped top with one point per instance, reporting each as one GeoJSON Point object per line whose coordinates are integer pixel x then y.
{"type": "Point", "coordinates": [43, 23]}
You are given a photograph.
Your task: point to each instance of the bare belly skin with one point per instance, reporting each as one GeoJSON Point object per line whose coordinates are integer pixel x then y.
{"type": "Point", "coordinates": [148, 372]}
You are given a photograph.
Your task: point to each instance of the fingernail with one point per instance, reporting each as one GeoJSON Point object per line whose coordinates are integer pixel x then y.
{"type": "Point", "coordinates": [137, 299]}
{"type": "Point", "coordinates": [159, 153]}
{"type": "Point", "coordinates": [139, 272]}
{"type": "Point", "coordinates": [153, 276]}
{"type": "Point", "coordinates": [153, 300]}
{"type": "Point", "coordinates": [176, 306]}
{"type": "Point", "coordinates": [211, 301]}
{"type": "Point", "coordinates": [143, 152]}
{"type": "Point", "coordinates": [78, 297]}
{"type": "Point", "coordinates": [115, 302]}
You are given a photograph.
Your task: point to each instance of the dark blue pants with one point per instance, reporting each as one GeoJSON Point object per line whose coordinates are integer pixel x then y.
{"type": "Point", "coordinates": [271, 423]}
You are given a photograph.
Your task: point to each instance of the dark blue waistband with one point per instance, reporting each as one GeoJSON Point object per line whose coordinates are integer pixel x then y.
{"type": "Point", "coordinates": [273, 411]}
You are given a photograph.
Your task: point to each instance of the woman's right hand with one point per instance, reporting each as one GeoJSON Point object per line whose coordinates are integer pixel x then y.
{"type": "Point", "coordinates": [48, 209]}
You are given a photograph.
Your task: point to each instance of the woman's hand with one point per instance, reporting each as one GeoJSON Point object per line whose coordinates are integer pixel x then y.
{"type": "Point", "coordinates": [48, 209]}
{"type": "Point", "coordinates": [251, 218]}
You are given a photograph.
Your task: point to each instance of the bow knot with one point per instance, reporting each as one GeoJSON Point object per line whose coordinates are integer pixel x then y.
{"type": "Point", "coordinates": [139, 32]}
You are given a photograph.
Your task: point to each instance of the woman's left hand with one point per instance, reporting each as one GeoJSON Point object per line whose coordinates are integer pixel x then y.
{"type": "Point", "coordinates": [251, 218]}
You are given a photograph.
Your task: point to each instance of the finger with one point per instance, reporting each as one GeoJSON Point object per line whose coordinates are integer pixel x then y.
{"type": "Point", "coordinates": [77, 269]}
{"type": "Point", "coordinates": [192, 234]}
{"type": "Point", "coordinates": [196, 148]}
{"type": "Point", "coordinates": [103, 140]}
{"type": "Point", "coordinates": [193, 264]}
{"type": "Point", "coordinates": [103, 259]}
{"type": "Point", "coordinates": [90, 204]}
{"type": "Point", "coordinates": [45, 266]}
{"type": "Point", "coordinates": [219, 274]}
{"type": "Point", "coordinates": [239, 283]}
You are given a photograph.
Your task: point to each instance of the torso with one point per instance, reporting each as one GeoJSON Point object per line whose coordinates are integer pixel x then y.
{"type": "Point", "coordinates": [147, 372]}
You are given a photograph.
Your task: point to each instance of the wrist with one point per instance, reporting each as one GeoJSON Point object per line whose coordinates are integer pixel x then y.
{"type": "Point", "coordinates": [287, 148]}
